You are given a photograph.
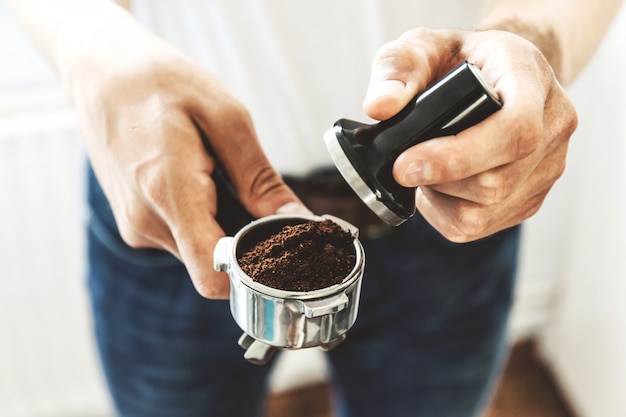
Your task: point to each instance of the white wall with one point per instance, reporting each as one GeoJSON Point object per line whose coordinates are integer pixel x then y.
{"type": "Point", "coordinates": [47, 357]}
{"type": "Point", "coordinates": [48, 364]}
{"type": "Point", "coordinates": [585, 339]}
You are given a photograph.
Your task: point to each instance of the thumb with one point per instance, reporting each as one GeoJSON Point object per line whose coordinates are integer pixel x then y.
{"type": "Point", "coordinates": [395, 79]}
{"type": "Point", "coordinates": [384, 98]}
{"type": "Point", "coordinates": [405, 67]}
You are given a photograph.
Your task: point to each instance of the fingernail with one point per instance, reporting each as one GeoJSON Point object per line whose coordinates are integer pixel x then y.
{"type": "Point", "coordinates": [384, 88]}
{"type": "Point", "coordinates": [417, 173]}
{"type": "Point", "coordinates": [293, 208]}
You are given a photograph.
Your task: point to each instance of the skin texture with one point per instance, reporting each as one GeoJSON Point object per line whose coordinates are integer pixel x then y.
{"type": "Point", "coordinates": [143, 134]}
{"type": "Point", "coordinates": [143, 124]}
{"type": "Point", "coordinates": [497, 173]}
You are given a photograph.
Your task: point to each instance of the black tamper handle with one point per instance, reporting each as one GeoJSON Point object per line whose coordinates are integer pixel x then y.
{"type": "Point", "coordinates": [456, 102]}
{"type": "Point", "coordinates": [460, 99]}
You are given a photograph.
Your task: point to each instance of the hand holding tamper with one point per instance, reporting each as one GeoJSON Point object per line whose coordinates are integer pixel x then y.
{"type": "Point", "coordinates": [365, 153]}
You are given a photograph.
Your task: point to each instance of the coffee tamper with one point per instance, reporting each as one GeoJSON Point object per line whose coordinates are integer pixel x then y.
{"type": "Point", "coordinates": [365, 153]}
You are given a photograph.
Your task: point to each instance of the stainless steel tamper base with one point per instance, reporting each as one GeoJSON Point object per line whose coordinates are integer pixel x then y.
{"type": "Point", "coordinates": [274, 319]}
{"type": "Point", "coordinates": [372, 198]}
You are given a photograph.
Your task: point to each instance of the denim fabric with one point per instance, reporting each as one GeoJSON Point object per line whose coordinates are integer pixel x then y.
{"type": "Point", "coordinates": [428, 341]}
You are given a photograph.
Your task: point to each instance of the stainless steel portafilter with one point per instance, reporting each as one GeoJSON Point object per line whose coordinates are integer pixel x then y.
{"type": "Point", "coordinates": [273, 319]}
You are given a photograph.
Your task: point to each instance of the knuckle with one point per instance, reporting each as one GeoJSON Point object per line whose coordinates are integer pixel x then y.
{"type": "Point", "coordinates": [571, 122]}
{"type": "Point", "coordinates": [206, 287]}
{"type": "Point", "coordinates": [526, 135]}
{"type": "Point", "coordinates": [412, 50]}
{"type": "Point", "coordinates": [209, 292]}
{"type": "Point", "coordinates": [134, 226]}
{"type": "Point", "coordinates": [264, 182]}
{"type": "Point", "coordinates": [454, 166]}
{"type": "Point", "coordinates": [469, 224]}
{"type": "Point", "coordinates": [558, 169]}
{"type": "Point", "coordinates": [455, 235]}
{"type": "Point", "coordinates": [417, 33]}
{"type": "Point", "coordinates": [232, 113]}
{"type": "Point", "coordinates": [428, 37]}
{"type": "Point", "coordinates": [492, 188]}
{"type": "Point", "coordinates": [396, 59]}
{"type": "Point", "coordinates": [131, 238]}
{"type": "Point", "coordinates": [391, 48]}
{"type": "Point", "coordinates": [567, 120]}
{"type": "Point", "coordinates": [532, 210]}
{"type": "Point", "coordinates": [555, 171]}
{"type": "Point", "coordinates": [153, 184]}
{"type": "Point", "coordinates": [471, 227]}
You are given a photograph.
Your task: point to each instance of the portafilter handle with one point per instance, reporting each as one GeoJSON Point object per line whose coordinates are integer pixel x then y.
{"type": "Point", "coordinates": [365, 153]}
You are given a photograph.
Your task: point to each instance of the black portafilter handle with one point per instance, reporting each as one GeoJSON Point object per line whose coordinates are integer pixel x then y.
{"type": "Point", "coordinates": [365, 153]}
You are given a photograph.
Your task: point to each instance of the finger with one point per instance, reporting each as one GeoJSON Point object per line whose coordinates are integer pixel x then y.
{"type": "Point", "coordinates": [142, 229]}
{"type": "Point", "coordinates": [196, 234]}
{"type": "Point", "coordinates": [464, 221]}
{"type": "Point", "coordinates": [197, 255]}
{"type": "Point", "coordinates": [500, 184]}
{"type": "Point", "coordinates": [137, 222]}
{"type": "Point", "coordinates": [489, 187]}
{"type": "Point", "coordinates": [508, 135]}
{"type": "Point", "coordinates": [190, 234]}
{"type": "Point", "coordinates": [404, 67]}
{"type": "Point", "coordinates": [233, 139]}
{"type": "Point", "coordinates": [178, 189]}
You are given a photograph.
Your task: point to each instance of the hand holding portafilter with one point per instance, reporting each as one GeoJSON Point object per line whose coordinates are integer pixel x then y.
{"type": "Point", "coordinates": [365, 153]}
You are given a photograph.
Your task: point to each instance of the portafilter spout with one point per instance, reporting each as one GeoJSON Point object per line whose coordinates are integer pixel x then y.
{"type": "Point", "coordinates": [365, 153]}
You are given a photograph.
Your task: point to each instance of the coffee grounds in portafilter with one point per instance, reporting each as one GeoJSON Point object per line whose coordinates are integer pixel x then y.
{"type": "Point", "coordinates": [303, 257]}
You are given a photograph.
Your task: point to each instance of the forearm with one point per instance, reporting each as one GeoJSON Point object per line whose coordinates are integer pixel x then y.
{"type": "Point", "coordinates": [566, 32]}
{"type": "Point", "coordinates": [65, 30]}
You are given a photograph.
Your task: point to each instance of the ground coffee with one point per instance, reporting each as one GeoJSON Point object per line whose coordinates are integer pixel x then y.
{"type": "Point", "coordinates": [303, 257]}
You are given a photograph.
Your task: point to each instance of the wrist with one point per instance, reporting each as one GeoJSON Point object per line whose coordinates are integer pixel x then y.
{"type": "Point", "coordinates": [545, 39]}
{"type": "Point", "coordinates": [90, 41]}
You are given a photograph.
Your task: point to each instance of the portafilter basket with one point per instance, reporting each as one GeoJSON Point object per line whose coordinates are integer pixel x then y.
{"type": "Point", "coordinates": [274, 319]}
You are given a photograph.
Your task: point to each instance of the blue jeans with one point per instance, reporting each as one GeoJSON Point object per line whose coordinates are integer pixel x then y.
{"type": "Point", "coordinates": [429, 339]}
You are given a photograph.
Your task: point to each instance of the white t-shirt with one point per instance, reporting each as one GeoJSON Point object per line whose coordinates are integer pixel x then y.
{"type": "Point", "coordinates": [297, 66]}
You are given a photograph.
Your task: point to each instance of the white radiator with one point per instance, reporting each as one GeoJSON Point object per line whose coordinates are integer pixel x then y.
{"type": "Point", "coordinates": [48, 364]}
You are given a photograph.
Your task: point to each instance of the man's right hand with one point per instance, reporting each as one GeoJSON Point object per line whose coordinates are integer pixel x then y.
{"type": "Point", "coordinates": [144, 109]}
